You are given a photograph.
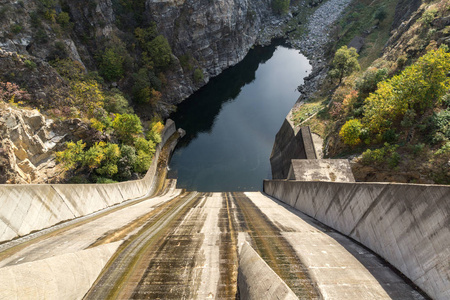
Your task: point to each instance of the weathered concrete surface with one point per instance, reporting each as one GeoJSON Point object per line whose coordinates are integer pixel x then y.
{"type": "Point", "coordinates": [185, 245]}
{"type": "Point", "coordinates": [336, 170]}
{"type": "Point", "coordinates": [114, 224]}
{"type": "Point", "coordinates": [26, 208]}
{"type": "Point", "coordinates": [406, 224]}
{"type": "Point", "coordinates": [290, 143]}
{"type": "Point", "coordinates": [67, 276]}
{"type": "Point", "coordinates": [256, 280]}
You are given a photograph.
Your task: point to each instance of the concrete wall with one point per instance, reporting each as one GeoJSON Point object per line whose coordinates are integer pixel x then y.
{"type": "Point", "coordinates": [67, 276]}
{"type": "Point", "coordinates": [27, 208]}
{"type": "Point", "coordinates": [408, 225]}
{"type": "Point", "coordinates": [337, 170]}
{"type": "Point", "coordinates": [256, 280]}
{"type": "Point", "coordinates": [290, 143]}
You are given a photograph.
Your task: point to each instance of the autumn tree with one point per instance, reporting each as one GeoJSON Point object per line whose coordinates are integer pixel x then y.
{"type": "Point", "coordinates": [126, 127]}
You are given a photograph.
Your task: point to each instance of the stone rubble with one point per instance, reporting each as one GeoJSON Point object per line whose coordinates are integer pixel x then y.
{"type": "Point", "coordinates": [314, 42]}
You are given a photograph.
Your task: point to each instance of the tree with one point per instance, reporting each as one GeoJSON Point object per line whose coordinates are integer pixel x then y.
{"type": "Point", "coordinates": [126, 127]}
{"type": "Point", "coordinates": [380, 14]}
{"type": "Point", "coordinates": [160, 51]}
{"type": "Point", "coordinates": [111, 66]}
{"type": "Point", "coordinates": [280, 7]}
{"type": "Point", "coordinates": [417, 89]}
{"type": "Point", "coordinates": [345, 62]}
{"type": "Point", "coordinates": [350, 132]}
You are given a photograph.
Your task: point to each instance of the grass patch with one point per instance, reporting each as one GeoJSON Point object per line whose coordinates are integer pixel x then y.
{"type": "Point", "coordinates": [307, 110]}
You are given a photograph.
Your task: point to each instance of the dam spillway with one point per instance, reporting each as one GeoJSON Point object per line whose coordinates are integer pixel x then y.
{"type": "Point", "coordinates": [185, 245]}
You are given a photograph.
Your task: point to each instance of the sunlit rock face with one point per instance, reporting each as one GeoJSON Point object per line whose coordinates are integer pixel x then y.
{"type": "Point", "coordinates": [216, 34]}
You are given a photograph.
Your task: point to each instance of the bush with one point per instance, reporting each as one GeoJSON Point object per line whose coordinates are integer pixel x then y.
{"type": "Point", "coordinates": [380, 14]}
{"type": "Point", "coordinates": [198, 75]}
{"type": "Point", "coordinates": [72, 156]}
{"type": "Point", "coordinates": [387, 154]}
{"type": "Point", "coordinates": [63, 20]}
{"type": "Point", "coordinates": [111, 65]}
{"type": "Point", "coordinates": [350, 132]}
{"type": "Point", "coordinates": [160, 52]}
{"type": "Point", "coordinates": [126, 127]}
{"type": "Point", "coordinates": [116, 103]}
{"type": "Point", "coordinates": [441, 126]}
{"type": "Point", "coordinates": [126, 162]}
{"type": "Point", "coordinates": [280, 7]}
{"type": "Point", "coordinates": [30, 64]}
{"type": "Point", "coordinates": [428, 16]}
{"type": "Point", "coordinates": [368, 82]}
{"type": "Point", "coordinates": [16, 28]}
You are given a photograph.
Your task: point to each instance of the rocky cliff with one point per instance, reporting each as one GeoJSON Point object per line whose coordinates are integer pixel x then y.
{"type": "Point", "coordinates": [213, 35]}
{"type": "Point", "coordinates": [217, 34]}
{"type": "Point", "coordinates": [205, 38]}
{"type": "Point", "coordinates": [28, 142]}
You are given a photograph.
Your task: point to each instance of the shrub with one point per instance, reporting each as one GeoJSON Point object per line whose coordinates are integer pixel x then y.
{"type": "Point", "coordinates": [30, 64]}
{"type": "Point", "coordinates": [126, 127]}
{"type": "Point", "coordinates": [441, 125]}
{"type": "Point", "coordinates": [141, 144]}
{"type": "Point", "coordinates": [63, 19]}
{"type": "Point", "coordinates": [350, 132]}
{"type": "Point", "coordinates": [198, 75]}
{"type": "Point", "coordinates": [126, 162]}
{"type": "Point", "coordinates": [368, 82]}
{"type": "Point", "coordinates": [160, 52]}
{"type": "Point", "coordinates": [380, 14]}
{"type": "Point", "coordinates": [16, 28]}
{"type": "Point", "coordinates": [116, 103]}
{"type": "Point", "coordinates": [280, 7]}
{"type": "Point", "coordinates": [387, 154]}
{"type": "Point", "coordinates": [154, 133]}
{"type": "Point", "coordinates": [143, 162]}
{"type": "Point", "coordinates": [72, 156]}
{"type": "Point", "coordinates": [111, 65]}
{"type": "Point", "coordinates": [11, 91]}
{"type": "Point", "coordinates": [428, 16]}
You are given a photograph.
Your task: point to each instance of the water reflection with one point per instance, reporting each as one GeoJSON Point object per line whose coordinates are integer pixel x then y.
{"type": "Point", "coordinates": [231, 123]}
{"type": "Point", "coordinates": [197, 113]}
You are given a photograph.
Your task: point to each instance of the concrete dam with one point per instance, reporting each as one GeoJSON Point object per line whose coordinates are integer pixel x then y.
{"type": "Point", "coordinates": [298, 239]}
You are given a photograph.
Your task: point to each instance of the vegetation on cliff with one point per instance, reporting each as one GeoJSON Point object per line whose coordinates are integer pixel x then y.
{"type": "Point", "coordinates": [392, 116]}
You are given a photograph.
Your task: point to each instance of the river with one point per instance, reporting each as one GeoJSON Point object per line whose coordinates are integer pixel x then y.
{"type": "Point", "coordinates": [231, 122]}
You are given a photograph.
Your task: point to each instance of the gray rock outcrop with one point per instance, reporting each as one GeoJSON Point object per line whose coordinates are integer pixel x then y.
{"type": "Point", "coordinates": [27, 147]}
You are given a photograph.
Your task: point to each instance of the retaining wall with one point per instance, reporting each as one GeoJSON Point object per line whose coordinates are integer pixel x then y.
{"type": "Point", "coordinates": [407, 224]}
{"type": "Point", "coordinates": [27, 208]}
{"type": "Point", "coordinates": [290, 143]}
{"type": "Point", "coordinates": [256, 280]}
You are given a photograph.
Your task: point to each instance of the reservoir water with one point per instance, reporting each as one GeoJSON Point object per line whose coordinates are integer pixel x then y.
{"type": "Point", "coordinates": [231, 122]}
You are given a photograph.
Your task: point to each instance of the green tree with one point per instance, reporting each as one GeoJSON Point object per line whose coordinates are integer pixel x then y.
{"type": "Point", "coordinates": [280, 7]}
{"type": "Point", "coordinates": [160, 52]}
{"type": "Point", "coordinates": [345, 62]}
{"type": "Point", "coordinates": [380, 14]}
{"type": "Point", "coordinates": [111, 66]}
{"type": "Point", "coordinates": [127, 127]}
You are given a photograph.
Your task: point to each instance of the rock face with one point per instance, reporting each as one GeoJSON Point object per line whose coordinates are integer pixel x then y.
{"type": "Point", "coordinates": [27, 144]}
{"type": "Point", "coordinates": [216, 34]}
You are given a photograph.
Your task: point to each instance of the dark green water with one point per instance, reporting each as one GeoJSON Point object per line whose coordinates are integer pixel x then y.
{"type": "Point", "coordinates": [231, 123]}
